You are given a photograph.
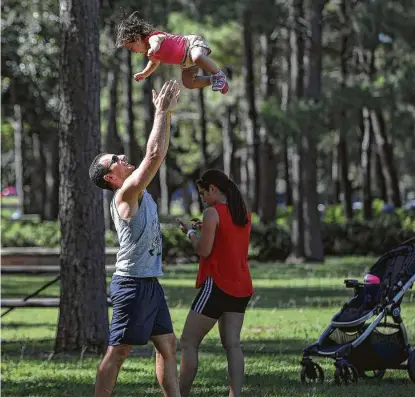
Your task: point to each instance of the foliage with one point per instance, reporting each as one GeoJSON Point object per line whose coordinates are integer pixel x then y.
{"type": "Point", "coordinates": [268, 243]}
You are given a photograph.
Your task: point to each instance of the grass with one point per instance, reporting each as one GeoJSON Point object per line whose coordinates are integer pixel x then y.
{"type": "Point", "coordinates": [292, 306]}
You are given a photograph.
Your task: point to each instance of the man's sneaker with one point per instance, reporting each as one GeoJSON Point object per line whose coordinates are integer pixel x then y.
{"type": "Point", "coordinates": [218, 81]}
{"type": "Point", "coordinates": [225, 89]}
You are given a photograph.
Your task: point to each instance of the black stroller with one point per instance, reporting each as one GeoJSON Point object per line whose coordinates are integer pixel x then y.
{"type": "Point", "coordinates": [362, 349]}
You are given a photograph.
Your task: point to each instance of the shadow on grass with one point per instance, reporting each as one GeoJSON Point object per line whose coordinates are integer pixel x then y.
{"type": "Point", "coordinates": [210, 382]}
{"type": "Point", "coordinates": [18, 285]}
{"type": "Point", "coordinates": [268, 298]}
{"type": "Point", "coordinates": [44, 347]}
{"type": "Point", "coordinates": [16, 325]}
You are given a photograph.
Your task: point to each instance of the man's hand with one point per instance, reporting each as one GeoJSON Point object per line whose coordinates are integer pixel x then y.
{"type": "Point", "coordinates": [167, 99]}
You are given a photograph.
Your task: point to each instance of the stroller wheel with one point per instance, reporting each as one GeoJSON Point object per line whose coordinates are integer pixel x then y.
{"type": "Point", "coordinates": [375, 374]}
{"type": "Point", "coordinates": [411, 365]}
{"type": "Point", "coordinates": [345, 374]}
{"type": "Point", "coordinates": [311, 373]}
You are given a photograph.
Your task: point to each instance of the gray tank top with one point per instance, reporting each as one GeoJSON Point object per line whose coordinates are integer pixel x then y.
{"type": "Point", "coordinates": [140, 240]}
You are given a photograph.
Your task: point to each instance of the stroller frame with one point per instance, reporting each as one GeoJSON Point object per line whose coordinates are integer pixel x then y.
{"type": "Point", "coordinates": [345, 372]}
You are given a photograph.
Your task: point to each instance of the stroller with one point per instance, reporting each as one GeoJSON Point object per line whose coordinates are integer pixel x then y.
{"type": "Point", "coordinates": [367, 350]}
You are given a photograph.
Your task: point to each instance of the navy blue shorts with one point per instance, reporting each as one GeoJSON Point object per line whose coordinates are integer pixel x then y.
{"type": "Point", "coordinates": [139, 310]}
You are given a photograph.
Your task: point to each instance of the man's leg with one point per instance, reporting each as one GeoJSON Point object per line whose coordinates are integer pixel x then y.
{"type": "Point", "coordinates": [166, 365]}
{"type": "Point", "coordinates": [230, 325]}
{"type": "Point", "coordinates": [108, 369]}
{"type": "Point", "coordinates": [195, 329]}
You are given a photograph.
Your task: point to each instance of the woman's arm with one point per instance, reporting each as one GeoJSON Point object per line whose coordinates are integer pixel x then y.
{"type": "Point", "coordinates": [203, 245]}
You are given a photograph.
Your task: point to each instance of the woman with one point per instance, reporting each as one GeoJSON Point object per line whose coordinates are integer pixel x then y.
{"type": "Point", "coordinates": [224, 278]}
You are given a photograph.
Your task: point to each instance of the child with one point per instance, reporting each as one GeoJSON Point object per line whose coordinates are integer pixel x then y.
{"type": "Point", "coordinates": [190, 52]}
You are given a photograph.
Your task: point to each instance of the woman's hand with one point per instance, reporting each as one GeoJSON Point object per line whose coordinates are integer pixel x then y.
{"type": "Point", "coordinates": [196, 223]}
{"type": "Point", "coordinates": [184, 227]}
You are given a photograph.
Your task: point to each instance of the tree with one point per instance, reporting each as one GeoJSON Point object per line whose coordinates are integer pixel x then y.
{"type": "Point", "coordinates": [83, 311]}
{"type": "Point", "coordinates": [252, 132]}
{"type": "Point", "coordinates": [297, 46]}
{"type": "Point", "coordinates": [342, 146]}
{"type": "Point", "coordinates": [313, 242]}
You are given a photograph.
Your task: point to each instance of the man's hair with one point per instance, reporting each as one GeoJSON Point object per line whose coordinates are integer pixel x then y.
{"type": "Point", "coordinates": [97, 172]}
{"type": "Point", "coordinates": [131, 28]}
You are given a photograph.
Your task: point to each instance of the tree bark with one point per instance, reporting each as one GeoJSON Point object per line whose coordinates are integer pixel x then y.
{"type": "Point", "coordinates": [287, 176]}
{"type": "Point", "coordinates": [51, 156]}
{"type": "Point", "coordinates": [267, 206]}
{"type": "Point", "coordinates": [228, 138]}
{"type": "Point", "coordinates": [18, 155]}
{"type": "Point", "coordinates": [253, 140]}
{"type": "Point", "coordinates": [343, 154]}
{"type": "Point", "coordinates": [335, 174]}
{"type": "Point", "coordinates": [297, 93]}
{"type": "Point", "coordinates": [203, 129]}
{"type": "Point", "coordinates": [367, 139]}
{"type": "Point", "coordinates": [380, 179]}
{"type": "Point", "coordinates": [112, 141]}
{"type": "Point", "coordinates": [37, 176]}
{"type": "Point", "coordinates": [312, 234]}
{"type": "Point", "coordinates": [385, 151]}
{"type": "Point", "coordinates": [83, 309]}
{"type": "Point", "coordinates": [286, 93]}
{"type": "Point", "coordinates": [134, 153]}
{"type": "Point", "coordinates": [148, 114]}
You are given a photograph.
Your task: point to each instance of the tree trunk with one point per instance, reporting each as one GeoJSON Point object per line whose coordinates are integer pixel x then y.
{"type": "Point", "coordinates": [18, 155]}
{"type": "Point", "coordinates": [367, 140]}
{"type": "Point", "coordinates": [297, 93]}
{"type": "Point", "coordinates": [203, 129]}
{"type": "Point", "coordinates": [242, 160]}
{"type": "Point", "coordinates": [51, 155]}
{"type": "Point", "coordinates": [312, 234]}
{"type": "Point", "coordinates": [343, 146]}
{"type": "Point", "coordinates": [164, 190]}
{"type": "Point", "coordinates": [148, 113]}
{"type": "Point", "coordinates": [83, 309]}
{"type": "Point", "coordinates": [385, 151]}
{"type": "Point", "coordinates": [112, 141]}
{"type": "Point", "coordinates": [187, 199]}
{"type": "Point", "coordinates": [134, 153]}
{"type": "Point", "coordinates": [267, 206]}
{"type": "Point", "coordinates": [228, 138]}
{"type": "Point", "coordinates": [335, 174]}
{"type": "Point", "coordinates": [380, 179]}
{"type": "Point", "coordinates": [287, 177]}
{"type": "Point", "coordinates": [252, 119]}
{"type": "Point", "coordinates": [37, 176]}
{"type": "Point", "coordinates": [286, 92]}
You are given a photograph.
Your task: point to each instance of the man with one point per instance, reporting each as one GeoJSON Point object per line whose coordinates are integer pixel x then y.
{"type": "Point", "coordinates": [140, 310]}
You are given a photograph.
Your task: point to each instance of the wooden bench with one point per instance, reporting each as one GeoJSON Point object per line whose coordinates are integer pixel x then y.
{"type": "Point", "coordinates": [40, 269]}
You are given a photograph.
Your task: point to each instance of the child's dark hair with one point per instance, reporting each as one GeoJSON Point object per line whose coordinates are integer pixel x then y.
{"type": "Point", "coordinates": [132, 28]}
{"type": "Point", "coordinates": [236, 203]}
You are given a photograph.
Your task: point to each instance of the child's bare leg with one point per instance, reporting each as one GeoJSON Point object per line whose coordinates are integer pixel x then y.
{"type": "Point", "coordinates": [192, 80]}
{"type": "Point", "coordinates": [201, 59]}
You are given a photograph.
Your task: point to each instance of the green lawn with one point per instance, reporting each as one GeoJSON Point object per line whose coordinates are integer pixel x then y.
{"type": "Point", "coordinates": [292, 306]}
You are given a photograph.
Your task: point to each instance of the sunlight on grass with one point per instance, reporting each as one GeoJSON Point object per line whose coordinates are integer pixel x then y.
{"type": "Point", "coordinates": [291, 308]}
